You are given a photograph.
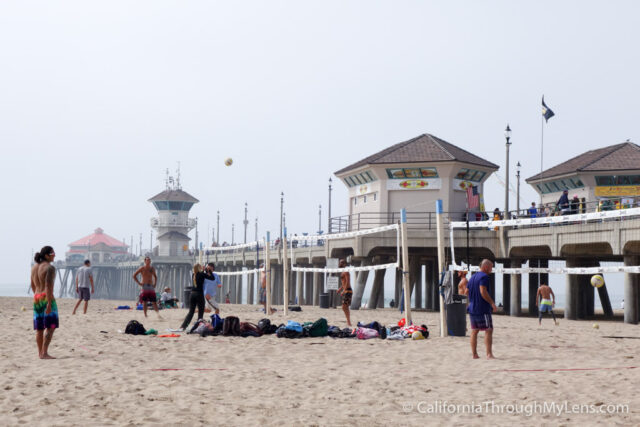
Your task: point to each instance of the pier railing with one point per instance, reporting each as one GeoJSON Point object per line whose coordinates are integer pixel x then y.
{"type": "Point", "coordinates": [367, 220]}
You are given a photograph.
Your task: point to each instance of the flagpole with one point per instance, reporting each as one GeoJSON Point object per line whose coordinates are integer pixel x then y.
{"type": "Point", "coordinates": [541, 142]}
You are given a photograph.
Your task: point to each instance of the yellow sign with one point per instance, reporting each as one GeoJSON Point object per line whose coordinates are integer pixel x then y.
{"type": "Point", "coordinates": [618, 191]}
{"type": "Point", "coordinates": [185, 248]}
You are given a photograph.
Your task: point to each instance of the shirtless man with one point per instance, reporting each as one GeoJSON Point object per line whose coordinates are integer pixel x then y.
{"type": "Point", "coordinates": [45, 309]}
{"type": "Point", "coordinates": [346, 291]}
{"type": "Point", "coordinates": [148, 285]}
{"type": "Point", "coordinates": [547, 300]}
{"type": "Point", "coordinates": [263, 289]}
{"type": "Point", "coordinates": [462, 286]}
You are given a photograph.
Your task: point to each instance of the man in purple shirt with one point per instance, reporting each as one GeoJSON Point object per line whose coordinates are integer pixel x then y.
{"type": "Point", "coordinates": [480, 307]}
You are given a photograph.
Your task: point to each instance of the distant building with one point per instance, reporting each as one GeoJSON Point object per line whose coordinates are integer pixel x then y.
{"type": "Point", "coordinates": [98, 248]}
{"type": "Point", "coordinates": [609, 173]}
{"type": "Point", "coordinates": [173, 223]}
{"type": "Point", "coordinates": [413, 175]}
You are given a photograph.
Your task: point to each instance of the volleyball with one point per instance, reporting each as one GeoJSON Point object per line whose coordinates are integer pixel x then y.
{"type": "Point", "coordinates": [597, 281]}
{"type": "Point", "coordinates": [228, 161]}
{"type": "Point", "coordinates": [596, 326]}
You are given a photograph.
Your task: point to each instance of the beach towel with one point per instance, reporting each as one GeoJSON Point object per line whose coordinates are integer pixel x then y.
{"type": "Point", "coordinates": [123, 307]}
{"type": "Point", "coordinates": [366, 333]}
{"type": "Point", "coordinates": [293, 326]}
{"type": "Point", "coordinates": [168, 336]}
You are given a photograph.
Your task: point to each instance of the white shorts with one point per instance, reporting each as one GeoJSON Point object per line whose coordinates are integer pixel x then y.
{"type": "Point", "coordinates": [212, 302]}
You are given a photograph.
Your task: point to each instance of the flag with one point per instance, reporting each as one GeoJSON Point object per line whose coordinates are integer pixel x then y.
{"type": "Point", "coordinates": [547, 113]}
{"type": "Point", "coordinates": [473, 199]}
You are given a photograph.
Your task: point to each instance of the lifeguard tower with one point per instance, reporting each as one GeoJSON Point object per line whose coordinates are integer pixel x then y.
{"type": "Point", "coordinates": [173, 223]}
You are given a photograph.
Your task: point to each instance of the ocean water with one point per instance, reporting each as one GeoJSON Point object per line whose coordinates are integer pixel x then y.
{"type": "Point", "coordinates": [15, 290]}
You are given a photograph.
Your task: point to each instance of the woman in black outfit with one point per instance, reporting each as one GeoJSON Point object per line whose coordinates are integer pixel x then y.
{"type": "Point", "coordinates": [197, 296]}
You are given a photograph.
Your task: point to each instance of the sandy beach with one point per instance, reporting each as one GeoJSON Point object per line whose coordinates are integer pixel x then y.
{"type": "Point", "coordinates": [102, 377]}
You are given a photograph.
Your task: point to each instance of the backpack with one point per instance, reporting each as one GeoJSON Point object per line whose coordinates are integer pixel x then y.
{"type": "Point", "coordinates": [231, 326]}
{"type": "Point", "coordinates": [283, 332]}
{"type": "Point", "coordinates": [217, 322]}
{"type": "Point", "coordinates": [319, 328]}
{"type": "Point", "coordinates": [295, 308]}
{"type": "Point", "coordinates": [266, 327]}
{"type": "Point", "coordinates": [248, 329]}
{"type": "Point", "coordinates": [134, 328]}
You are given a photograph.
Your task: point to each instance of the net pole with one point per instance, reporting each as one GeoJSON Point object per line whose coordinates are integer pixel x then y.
{"type": "Point", "coordinates": [440, 237]}
{"type": "Point", "coordinates": [267, 274]}
{"type": "Point", "coordinates": [405, 267]}
{"type": "Point", "coordinates": [285, 273]}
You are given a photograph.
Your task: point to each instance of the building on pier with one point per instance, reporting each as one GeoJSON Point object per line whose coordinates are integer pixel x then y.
{"type": "Point", "coordinates": [414, 174]}
{"type": "Point", "coordinates": [609, 173]}
{"type": "Point", "coordinates": [98, 248]}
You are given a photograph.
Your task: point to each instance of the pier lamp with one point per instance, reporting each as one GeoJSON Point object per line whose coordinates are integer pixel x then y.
{"type": "Point", "coordinates": [518, 187]}
{"type": "Point", "coordinates": [245, 222]}
{"type": "Point", "coordinates": [281, 208]}
{"type": "Point", "coordinates": [319, 219]}
{"type": "Point", "coordinates": [507, 135]}
{"type": "Point", "coordinates": [329, 209]}
{"type": "Point", "coordinates": [218, 229]}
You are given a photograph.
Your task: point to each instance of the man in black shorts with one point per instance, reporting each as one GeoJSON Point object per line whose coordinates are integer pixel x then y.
{"type": "Point", "coordinates": [346, 291]}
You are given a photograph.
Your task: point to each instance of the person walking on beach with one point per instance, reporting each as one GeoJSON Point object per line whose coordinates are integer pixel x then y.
{"type": "Point", "coordinates": [263, 289]}
{"type": "Point", "coordinates": [211, 284]}
{"type": "Point", "coordinates": [196, 299]}
{"type": "Point", "coordinates": [84, 279]}
{"type": "Point", "coordinates": [480, 307]}
{"type": "Point", "coordinates": [45, 309]}
{"type": "Point", "coordinates": [547, 300]}
{"type": "Point", "coordinates": [148, 285]}
{"type": "Point", "coordinates": [462, 286]}
{"type": "Point", "coordinates": [346, 291]}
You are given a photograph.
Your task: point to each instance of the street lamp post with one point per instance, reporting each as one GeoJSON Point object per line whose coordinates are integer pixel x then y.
{"type": "Point", "coordinates": [232, 232]}
{"type": "Point", "coordinates": [281, 210]}
{"type": "Point", "coordinates": [245, 222]}
{"type": "Point", "coordinates": [319, 219]}
{"type": "Point", "coordinates": [329, 209]}
{"type": "Point", "coordinates": [256, 229]}
{"type": "Point", "coordinates": [507, 135]}
{"type": "Point", "coordinates": [218, 229]}
{"type": "Point", "coordinates": [518, 187]}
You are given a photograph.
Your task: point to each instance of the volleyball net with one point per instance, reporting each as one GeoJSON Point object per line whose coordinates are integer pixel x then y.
{"type": "Point", "coordinates": [347, 235]}
{"type": "Point", "coordinates": [539, 240]}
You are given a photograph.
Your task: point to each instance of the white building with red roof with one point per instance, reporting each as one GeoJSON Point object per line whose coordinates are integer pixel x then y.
{"type": "Point", "coordinates": [98, 248]}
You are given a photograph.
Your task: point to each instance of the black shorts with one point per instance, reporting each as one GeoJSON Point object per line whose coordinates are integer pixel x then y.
{"type": "Point", "coordinates": [346, 298]}
{"type": "Point", "coordinates": [84, 294]}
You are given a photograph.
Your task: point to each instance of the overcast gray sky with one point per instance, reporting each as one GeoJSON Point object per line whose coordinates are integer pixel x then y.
{"type": "Point", "coordinates": [97, 99]}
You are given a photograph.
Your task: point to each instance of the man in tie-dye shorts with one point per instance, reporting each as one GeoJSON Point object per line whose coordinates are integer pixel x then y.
{"type": "Point", "coordinates": [45, 309]}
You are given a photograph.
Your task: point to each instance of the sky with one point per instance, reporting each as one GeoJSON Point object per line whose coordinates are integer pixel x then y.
{"type": "Point", "coordinates": [97, 100]}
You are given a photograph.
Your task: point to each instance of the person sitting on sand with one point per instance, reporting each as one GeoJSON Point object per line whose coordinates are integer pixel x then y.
{"type": "Point", "coordinates": [167, 300]}
{"type": "Point", "coordinates": [547, 300]}
{"type": "Point", "coordinates": [346, 291]}
{"type": "Point", "coordinates": [480, 307]}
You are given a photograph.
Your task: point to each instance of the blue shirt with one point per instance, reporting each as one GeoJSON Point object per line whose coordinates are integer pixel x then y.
{"type": "Point", "coordinates": [211, 283]}
{"type": "Point", "coordinates": [533, 212]}
{"type": "Point", "coordinates": [477, 304]}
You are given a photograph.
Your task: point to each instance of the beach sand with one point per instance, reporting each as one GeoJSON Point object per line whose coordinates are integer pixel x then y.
{"type": "Point", "coordinates": [108, 378]}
